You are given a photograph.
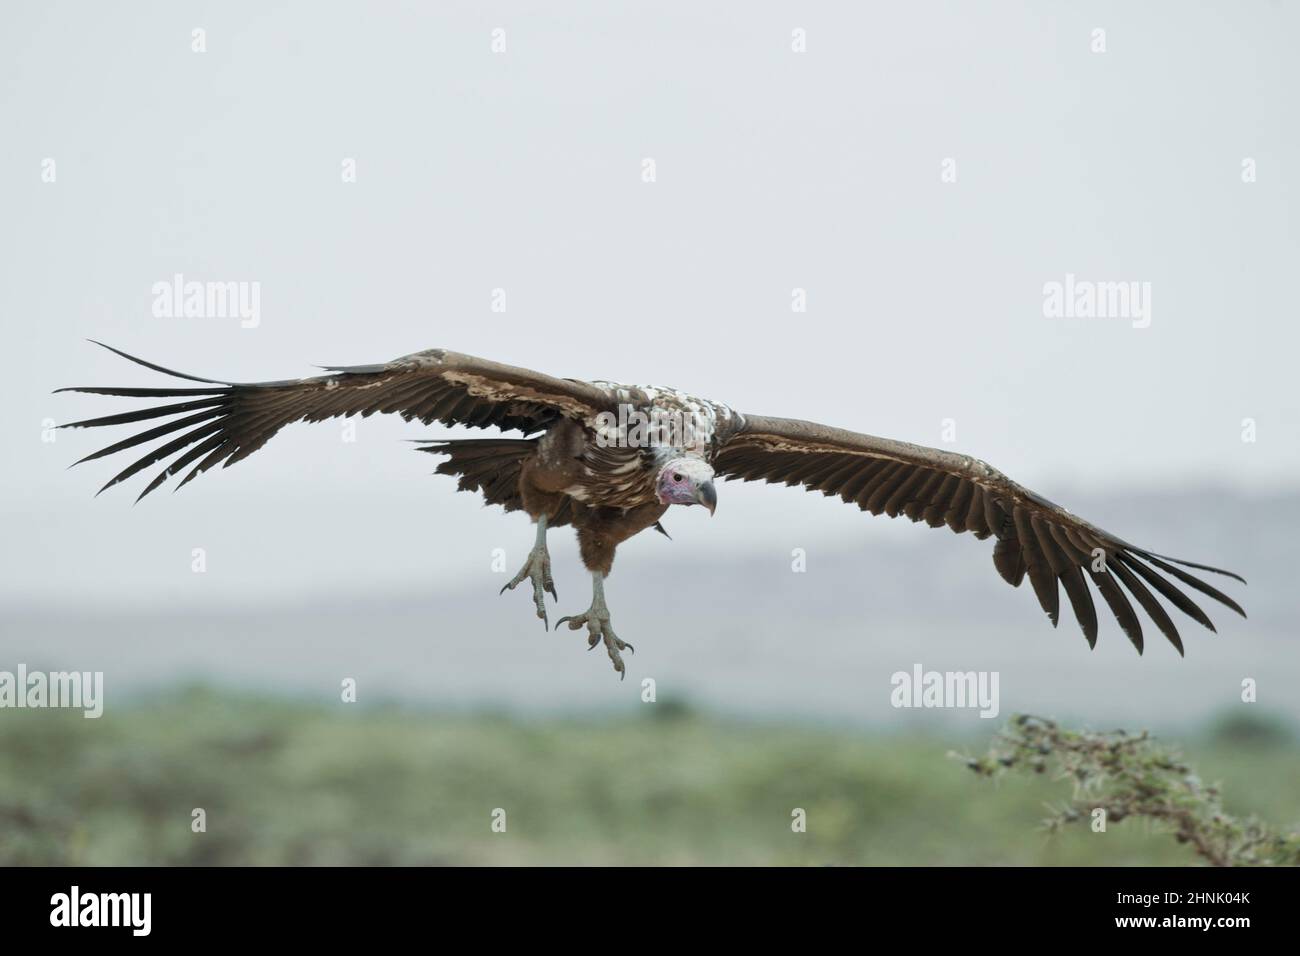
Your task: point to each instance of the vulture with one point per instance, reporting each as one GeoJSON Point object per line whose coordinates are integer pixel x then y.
{"type": "Point", "coordinates": [610, 459]}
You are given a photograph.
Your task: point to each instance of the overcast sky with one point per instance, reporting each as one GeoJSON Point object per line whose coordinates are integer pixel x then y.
{"type": "Point", "coordinates": [828, 170]}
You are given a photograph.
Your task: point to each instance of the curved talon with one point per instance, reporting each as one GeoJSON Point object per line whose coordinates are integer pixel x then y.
{"type": "Point", "coordinates": [538, 570]}
{"type": "Point", "coordinates": [598, 630]}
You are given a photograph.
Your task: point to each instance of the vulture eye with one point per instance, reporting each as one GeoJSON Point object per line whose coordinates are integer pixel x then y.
{"type": "Point", "coordinates": [676, 477]}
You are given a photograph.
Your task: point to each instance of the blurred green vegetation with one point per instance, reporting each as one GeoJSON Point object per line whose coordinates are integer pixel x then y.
{"type": "Point", "coordinates": [285, 782]}
{"type": "Point", "coordinates": [1122, 776]}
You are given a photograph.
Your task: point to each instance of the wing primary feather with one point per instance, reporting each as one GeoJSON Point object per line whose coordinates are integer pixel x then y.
{"type": "Point", "coordinates": [222, 450]}
{"type": "Point", "coordinates": [162, 452]}
{"type": "Point", "coordinates": [144, 414]}
{"type": "Point", "coordinates": [1175, 597]}
{"type": "Point", "coordinates": [158, 368]}
{"type": "Point", "coordinates": [1149, 603]}
{"type": "Point", "coordinates": [1119, 606]}
{"type": "Point", "coordinates": [156, 432]}
{"type": "Point", "coordinates": [141, 392]}
{"type": "Point", "coordinates": [189, 456]}
{"type": "Point", "coordinates": [1195, 582]}
{"type": "Point", "coordinates": [1085, 611]}
{"type": "Point", "coordinates": [1192, 564]}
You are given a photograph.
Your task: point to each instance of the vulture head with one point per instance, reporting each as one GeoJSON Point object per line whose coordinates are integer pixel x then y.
{"type": "Point", "coordinates": [687, 481]}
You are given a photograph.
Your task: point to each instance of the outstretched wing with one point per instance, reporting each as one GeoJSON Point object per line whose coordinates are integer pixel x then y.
{"type": "Point", "coordinates": [1035, 537]}
{"type": "Point", "coordinates": [224, 422]}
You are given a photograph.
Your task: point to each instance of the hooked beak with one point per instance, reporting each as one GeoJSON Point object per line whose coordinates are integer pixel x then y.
{"type": "Point", "coordinates": [707, 496]}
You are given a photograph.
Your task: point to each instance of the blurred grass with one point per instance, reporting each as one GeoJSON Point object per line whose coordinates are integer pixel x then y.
{"type": "Point", "coordinates": [288, 783]}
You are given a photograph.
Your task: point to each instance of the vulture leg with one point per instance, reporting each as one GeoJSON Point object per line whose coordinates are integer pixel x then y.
{"type": "Point", "coordinates": [599, 628]}
{"type": "Point", "coordinates": [538, 569]}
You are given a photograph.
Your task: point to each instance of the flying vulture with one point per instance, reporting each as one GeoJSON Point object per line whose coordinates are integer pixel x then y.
{"type": "Point", "coordinates": [610, 459]}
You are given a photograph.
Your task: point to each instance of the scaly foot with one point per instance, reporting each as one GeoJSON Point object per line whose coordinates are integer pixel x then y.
{"type": "Point", "coordinates": [538, 569]}
{"type": "Point", "coordinates": [596, 618]}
